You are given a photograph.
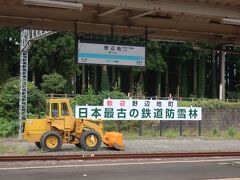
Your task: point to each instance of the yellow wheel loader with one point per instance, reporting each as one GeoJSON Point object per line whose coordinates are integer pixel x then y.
{"type": "Point", "coordinates": [61, 127]}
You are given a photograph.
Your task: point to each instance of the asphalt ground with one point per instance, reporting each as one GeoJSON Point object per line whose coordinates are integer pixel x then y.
{"type": "Point", "coordinates": [145, 169]}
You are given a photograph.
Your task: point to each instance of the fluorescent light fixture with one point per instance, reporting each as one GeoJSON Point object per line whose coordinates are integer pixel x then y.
{"type": "Point", "coordinates": [230, 21]}
{"type": "Point", "coordinates": [54, 4]}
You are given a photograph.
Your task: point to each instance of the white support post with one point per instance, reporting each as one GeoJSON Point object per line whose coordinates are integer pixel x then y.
{"type": "Point", "coordinates": [220, 92]}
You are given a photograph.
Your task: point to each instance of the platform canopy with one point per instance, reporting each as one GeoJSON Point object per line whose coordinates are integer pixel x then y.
{"type": "Point", "coordinates": [214, 21]}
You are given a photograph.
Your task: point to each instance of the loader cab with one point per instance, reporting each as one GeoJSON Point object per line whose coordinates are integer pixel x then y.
{"type": "Point", "coordinates": [58, 108]}
{"type": "Point", "coordinates": [60, 113]}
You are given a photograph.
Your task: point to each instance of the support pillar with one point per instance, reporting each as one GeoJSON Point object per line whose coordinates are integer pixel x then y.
{"type": "Point", "coordinates": [113, 67]}
{"type": "Point", "coordinates": [83, 79]}
{"type": "Point", "coordinates": [222, 85]}
{"type": "Point", "coordinates": [23, 89]}
{"type": "Point", "coordinates": [195, 76]}
{"type": "Point", "coordinates": [74, 81]}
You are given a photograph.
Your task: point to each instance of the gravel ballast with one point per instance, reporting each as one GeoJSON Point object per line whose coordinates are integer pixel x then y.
{"type": "Point", "coordinates": [131, 146]}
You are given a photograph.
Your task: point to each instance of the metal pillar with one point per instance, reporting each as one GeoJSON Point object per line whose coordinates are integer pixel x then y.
{"type": "Point", "coordinates": [26, 37]}
{"type": "Point", "coordinates": [113, 80]}
{"type": "Point", "coordinates": [23, 78]}
{"type": "Point", "coordinates": [74, 83]}
{"type": "Point", "coordinates": [222, 86]}
{"type": "Point", "coordinates": [23, 88]}
{"type": "Point", "coordinates": [180, 128]}
{"type": "Point", "coordinates": [141, 79]}
{"type": "Point", "coordinates": [199, 128]}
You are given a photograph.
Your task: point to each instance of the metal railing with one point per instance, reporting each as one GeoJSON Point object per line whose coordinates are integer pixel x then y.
{"type": "Point", "coordinates": [192, 99]}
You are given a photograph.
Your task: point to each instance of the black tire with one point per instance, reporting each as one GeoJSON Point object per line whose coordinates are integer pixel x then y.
{"type": "Point", "coordinates": [38, 145]}
{"type": "Point", "coordinates": [78, 145]}
{"type": "Point", "coordinates": [56, 146]}
{"type": "Point", "coordinates": [84, 137]}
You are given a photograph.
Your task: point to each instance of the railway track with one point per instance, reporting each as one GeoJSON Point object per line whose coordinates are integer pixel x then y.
{"type": "Point", "coordinates": [117, 156]}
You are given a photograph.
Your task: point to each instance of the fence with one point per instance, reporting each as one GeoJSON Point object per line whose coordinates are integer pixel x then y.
{"type": "Point", "coordinates": [192, 99]}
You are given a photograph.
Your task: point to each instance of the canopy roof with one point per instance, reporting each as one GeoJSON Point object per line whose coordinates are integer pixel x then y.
{"type": "Point", "coordinates": [178, 20]}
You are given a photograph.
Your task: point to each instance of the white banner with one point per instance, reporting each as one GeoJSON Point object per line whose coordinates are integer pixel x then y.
{"type": "Point", "coordinates": [139, 103]}
{"type": "Point", "coordinates": [139, 113]}
{"type": "Point", "coordinates": [110, 54]}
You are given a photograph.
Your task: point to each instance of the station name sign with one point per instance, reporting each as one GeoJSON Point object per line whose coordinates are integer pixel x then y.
{"type": "Point", "coordinates": [138, 109]}
{"type": "Point", "coordinates": [110, 54]}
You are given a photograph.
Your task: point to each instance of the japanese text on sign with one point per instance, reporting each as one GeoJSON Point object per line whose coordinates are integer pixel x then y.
{"type": "Point", "coordinates": [139, 110]}
{"type": "Point", "coordinates": [111, 54]}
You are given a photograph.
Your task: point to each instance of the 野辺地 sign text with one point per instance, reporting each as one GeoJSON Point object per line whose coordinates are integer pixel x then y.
{"type": "Point", "coordinates": [136, 109]}
{"type": "Point", "coordinates": [110, 54]}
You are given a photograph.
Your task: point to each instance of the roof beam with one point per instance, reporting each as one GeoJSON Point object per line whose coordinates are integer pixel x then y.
{"type": "Point", "coordinates": [121, 30]}
{"type": "Point", "coordinates": [228, 1]}
{"type": "Point", "coordinates": [141, 15]}
{"type": "Point", "coordinates": [13, 2]}
{"type": "Point", "coordinates": [109, 11]}
{"type": "Point", "coordinates": [191, 8]}
{"type": "Point", "coordinates": [2, 2]}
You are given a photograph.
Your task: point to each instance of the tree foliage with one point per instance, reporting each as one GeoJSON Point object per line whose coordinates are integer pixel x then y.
{"type": "Point", "coordinates": [9, 100]}
{"type": "Point", "coordinates": [54, 54]}
{"type": "Point", "coordinates": [91, 98]}
{"type": "Point", "coordinates": [8, 127]}
{"type": "Point", "coordinates": [155, 61]}
{"type": "Point", "coordinates": [9, 53]}
{"type": "Point", "coordinates": [105, 81]}
{"type": "Point", "coordinates": [53, 83]}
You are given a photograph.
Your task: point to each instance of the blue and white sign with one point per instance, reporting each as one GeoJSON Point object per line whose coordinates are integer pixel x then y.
{"type": "Point", "coordinates": [109, 54]}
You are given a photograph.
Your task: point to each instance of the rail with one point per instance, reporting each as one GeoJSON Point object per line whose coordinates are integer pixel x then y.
{"type": "Point", "coordinates": [118, 156]}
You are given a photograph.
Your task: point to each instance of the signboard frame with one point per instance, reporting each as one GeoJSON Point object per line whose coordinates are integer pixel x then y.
{"type": "Point", "coordinates": [138, 109]}
{"type": "Point", "coordinates": [109, 43]}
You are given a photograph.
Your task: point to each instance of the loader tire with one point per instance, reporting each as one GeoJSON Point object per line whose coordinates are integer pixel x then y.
{"type": "Point", "coordinates": [90, 140]}
{"type": "Point", "coordinates": [78, 145]}
{"type": "Point", "coordinates": [38, 145]}
{"type": "Point", "coordinates": [51, 141]}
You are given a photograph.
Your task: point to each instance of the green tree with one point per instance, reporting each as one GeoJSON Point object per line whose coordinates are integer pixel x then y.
{"type": "Point", "coordinates": [53, 83]}
{"type": "Point", "coordinates": [114, 94]}
{"type": "Point", "coordinates": [180, 54]}
{"type": "Point", "coordinates": [155, 62]}
{"type": "Point", "coordinates": [53, 54]}
{"type": "Point", "coordinates": [233, 73]}
{"type": "Point", "coordinates": [104, 80]}
{"type": "Point", "coordinates": [9, 53]}
{"type": "Point", "coordinates": [214, 75]}
{"type": "Point", "coordinates": [90, 98]}
{"type": "Point", "coordinates": [9, 99]}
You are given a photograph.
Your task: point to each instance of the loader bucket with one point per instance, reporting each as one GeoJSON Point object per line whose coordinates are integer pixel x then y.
{"type": "Point", "coordinates": [114, 140]}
